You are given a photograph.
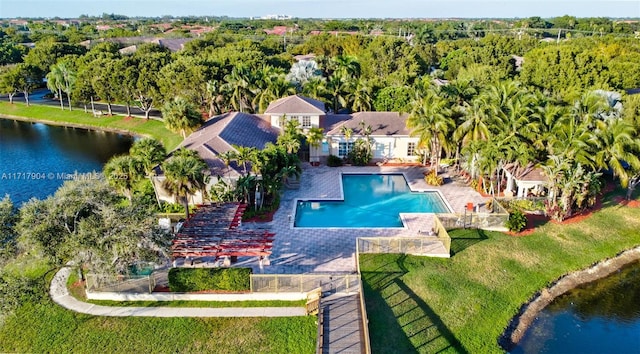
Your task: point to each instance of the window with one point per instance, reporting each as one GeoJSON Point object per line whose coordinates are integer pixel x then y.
{"type": "Point", "coordinates": [306, 121]}
{"type": "Point", "coordinates": [344, 148]}
{"type": "Point", "coordinates": [411, 149]}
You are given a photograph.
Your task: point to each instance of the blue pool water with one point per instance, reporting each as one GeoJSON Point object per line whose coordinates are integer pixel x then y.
{"type": "Point", "coordinates": [369, 201]}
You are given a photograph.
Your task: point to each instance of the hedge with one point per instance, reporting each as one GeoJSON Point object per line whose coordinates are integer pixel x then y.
{"type": "Point", "coordinates": [199, 279]}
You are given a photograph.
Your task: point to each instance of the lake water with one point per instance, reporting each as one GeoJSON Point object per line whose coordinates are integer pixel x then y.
{"type": "Point", "coordinates": [35, 159]}
{"type": "Point", "coordinates": [600, 317]}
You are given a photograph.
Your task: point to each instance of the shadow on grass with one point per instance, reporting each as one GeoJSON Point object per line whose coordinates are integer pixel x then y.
{"type": "Point", "coordinates": [399, 320]}
{"type": "Point", "coordinates": [461, 239]}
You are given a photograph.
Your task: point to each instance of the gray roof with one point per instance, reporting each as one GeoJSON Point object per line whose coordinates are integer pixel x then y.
{"type": "Point", "coordinates": [528, 173]}
{"type": "Point", "coordinates": [296, 104]}
{"type": "Point", "coordinates": [382, 123]}
{"type": "Point", "coordinates": [218, 135]}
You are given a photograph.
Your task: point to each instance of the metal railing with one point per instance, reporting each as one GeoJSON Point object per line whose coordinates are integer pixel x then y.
{"type": "Point", "coordinates": [471, 220]}
{"type": "Point", "coordinates": [276, 283]}
{"type": "Point", "coordinates": [114, 283]}
{"type": "Point", "coordinates": [442, 234]}
{"type": "Point", "coordinates": [363, 308]}
{"type": "Point", "coordinates": [419, 246]}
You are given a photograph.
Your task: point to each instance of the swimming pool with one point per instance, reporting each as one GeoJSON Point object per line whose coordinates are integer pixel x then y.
{"type": "Point", "coordinates": [370, 201]}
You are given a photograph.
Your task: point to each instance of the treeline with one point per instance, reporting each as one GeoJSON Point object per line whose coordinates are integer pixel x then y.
{"type": "Point", "coordinates": [223, 72]}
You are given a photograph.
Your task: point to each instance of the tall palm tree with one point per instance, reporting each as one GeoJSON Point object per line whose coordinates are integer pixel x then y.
{"type": "Point", "coordinates": [55, 82]}
{"type": "Point", "coordinates": [347, 65]}
{"type": "Point", "coordinates": [430, 121]}
{"type": "Point", "coordinates": [185, 173]}
{"type": "Point", "coordinates": [338, 87]}
{"type": "Point", "coordinates": [243, 156]}
{"type": "Point", "coordinates": [149, 153]}
{"type": "Point", "coordinates": [239, 84]}
{"type": "Point", "coordinates": [362, 97]}
{"type": "Point", "coordinates": [616, 145]}
{"type": "Point", "coordinates": [181, 116]}
{"type": "Point", "coordinates": [227, 157]}
{"type": "Point", "coordinates": [315, 88]}
{"type": "Point", "coordinates": [122, 173]}
{"type": "Point", "coordinates": [314, 138]}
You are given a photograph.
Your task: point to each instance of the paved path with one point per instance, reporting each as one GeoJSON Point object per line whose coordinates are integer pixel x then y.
{"type": "Point", "coordinates": [60, 295]}
{"type": "Point", "coordinates": [342, 324]}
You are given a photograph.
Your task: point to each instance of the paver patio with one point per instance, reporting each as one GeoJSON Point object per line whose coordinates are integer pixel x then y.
{"type": "Point", "coordinates": [306, 250]}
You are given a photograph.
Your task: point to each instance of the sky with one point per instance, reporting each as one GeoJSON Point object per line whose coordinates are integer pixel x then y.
{"type": "Point", "coordinates": [323, 8]}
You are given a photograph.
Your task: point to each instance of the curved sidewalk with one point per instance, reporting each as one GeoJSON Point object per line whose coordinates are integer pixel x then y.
{"type": "Point", "coordinates": [60, 295]}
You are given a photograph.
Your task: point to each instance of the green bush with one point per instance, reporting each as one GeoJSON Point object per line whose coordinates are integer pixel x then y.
{"type": "Point", "coordinates": [199, 279]}
{"type": "Point", "coordinates": [433, 180]}
{"type": "Point", "coordinates": [517, 221]}
{"type": "Point", "coordinates": [334, 161]}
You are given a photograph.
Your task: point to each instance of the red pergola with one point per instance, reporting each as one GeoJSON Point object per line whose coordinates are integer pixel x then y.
{"type": "Point", "coordinates": [213, 232]}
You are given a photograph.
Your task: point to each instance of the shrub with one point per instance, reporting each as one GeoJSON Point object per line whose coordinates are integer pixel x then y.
{"type": "Point", "coordinates": [517, 221]}
{"type": "Point", "coordinates": [199, 279]}
{"type": "Point", "coordinates": [433, 179]}
{"type": "Point", "coordinates": [334, 161]}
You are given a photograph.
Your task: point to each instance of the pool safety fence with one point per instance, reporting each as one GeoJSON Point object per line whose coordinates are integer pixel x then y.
{"type": "Point", "coordinates": [329, 283]}
{"type": "Point", "coordinates": [470, 220]}
{"type": "Point", "coordinates": [418, 246]}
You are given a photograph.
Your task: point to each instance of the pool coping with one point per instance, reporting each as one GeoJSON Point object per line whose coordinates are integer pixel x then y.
{"type": "Point", "coordinates": [292, 214]}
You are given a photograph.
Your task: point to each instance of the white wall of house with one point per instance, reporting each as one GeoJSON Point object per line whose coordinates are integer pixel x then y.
{"type": "Point", "coordinates": [384, 147]}
{"type": "Point", "coordinates": [306, 120]}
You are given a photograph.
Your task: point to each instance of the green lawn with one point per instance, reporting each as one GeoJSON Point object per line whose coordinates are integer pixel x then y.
{"type": "Point", "coordinates": [53, 115]}
{"type": "Point", "coordinates": [39, 327]}
{"type": "Point", "coordinates": [464, 303]}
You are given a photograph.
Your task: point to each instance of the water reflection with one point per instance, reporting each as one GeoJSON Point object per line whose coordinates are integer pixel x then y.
{"type": "Point", "coordinates": [33, 156]}
{"type": "Point", "coordinates": [600, 317]}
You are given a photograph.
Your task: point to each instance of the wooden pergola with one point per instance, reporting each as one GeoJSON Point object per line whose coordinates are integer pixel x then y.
{"type": "Point", "coordinates": [213, 232]}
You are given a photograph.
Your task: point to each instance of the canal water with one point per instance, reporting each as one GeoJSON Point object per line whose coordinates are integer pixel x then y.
{"type": "Point", "coordinates": [599, 317]}
{"type": "Point", "coordinates": [35, 159]}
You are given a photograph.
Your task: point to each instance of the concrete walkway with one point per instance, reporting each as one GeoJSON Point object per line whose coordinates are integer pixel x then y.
{"type": "Point", "coordinates": [60, 295]}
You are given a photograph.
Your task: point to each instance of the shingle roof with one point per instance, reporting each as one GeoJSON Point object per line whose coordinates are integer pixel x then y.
{"type": "Point", "coordinates": [219, 134]}
{"type": "Point", "coordinates": [382, 123]}
{"type": "Point", "coordinates": [296, 104]}
{"type": "Point", "coordinates": [528, 173]}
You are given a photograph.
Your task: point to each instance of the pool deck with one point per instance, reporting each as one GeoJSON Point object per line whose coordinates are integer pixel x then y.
{"type": "Point", "coordinates": [315, 250]}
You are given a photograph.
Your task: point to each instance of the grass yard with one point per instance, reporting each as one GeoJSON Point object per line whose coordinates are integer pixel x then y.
{"type": "Point", "coordinates": [463, 304]}
{"type": "Point", "coordinates": [48, 328]}
{"type": "Point", "coordinates": [44, 327]}
{"type": "Point", "coordinates": [53, 115]}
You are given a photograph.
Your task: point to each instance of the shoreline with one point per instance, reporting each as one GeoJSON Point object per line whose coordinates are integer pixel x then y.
{"type": "Point", "coordinates": [529, 310]}
{"type": "Point", "coordinates": [74, 125]}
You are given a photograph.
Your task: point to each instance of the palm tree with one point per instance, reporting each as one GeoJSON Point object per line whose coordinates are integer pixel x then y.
{"type": "Point", "coordinates": [149, 153]}
{"type": "Point", "coordinates": [227, 157]}
{"type": "Point", "coordinates": [616, 144]}
{"type": "Point", "coordinates": [185, 173]}
{"type": "Point", "coordinates": [238, 83]}
{"type": "Point", "coordinates": [347, 65]}
{"type": "Point", "coordinates": [362, 97]}
{"type": "Point", "coordinates": [180, 115]}
{"type": "Point", "coordinates": [314, 138]}
{"type": "Point", "coordinates": [122, 173]}
{"type": "Point", "coordinates": [430, 121]}
{"type": "Point", "coordinates": [55, 82]}
{"type": "Point", "coordinates": [338, 87]}
{"type": "Point", "coordinates": [315, 88]}
{"type": "Point", "coordinates": [243, 156]}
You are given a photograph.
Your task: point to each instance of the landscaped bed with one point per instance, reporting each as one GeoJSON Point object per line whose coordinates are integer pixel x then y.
{"type": "Point", "coordinates": [464, 303]}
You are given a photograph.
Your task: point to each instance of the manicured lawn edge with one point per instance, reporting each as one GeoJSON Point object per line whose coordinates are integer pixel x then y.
{"type": "Point", "coordinates": [79, 119]}
{"type": "Point", "coordinates": [529, 311]}
{"type": "Point", "coordinates": [465, 303]}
